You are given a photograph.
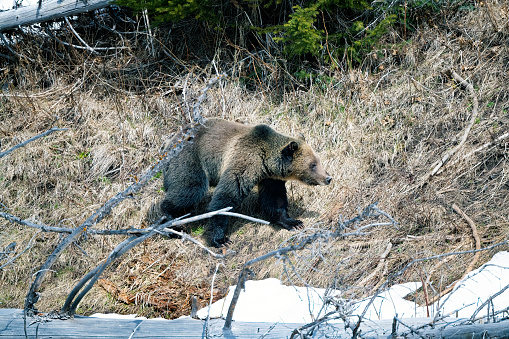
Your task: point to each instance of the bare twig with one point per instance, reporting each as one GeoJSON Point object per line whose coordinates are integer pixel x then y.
{"type": "Point", "coordinates": [207, 334]}
{"type": "Point", "coordinates": [19, 254]}
{"type": "Point", "coordinates": [46, 228]}
{"type": "Point", "coordinates": [491, 16]}
{"type": "Point", "coordinates": [474, 234]}
{"type": "Point", "coordinates": [445, 158]}
{"type": "Point", "coordinates": [6, 44]}
{"type": "Point", "coordinates": [413, 262]}
{"type": "Point", "coordinates": [94, 219]}
{"type": "Point", "coordinates": [51, 35]}
{"type": "Point", "coordinates": [185, 236]}
{"type": "Point", "coordinates": [72, 300]}
{"type": "Point", "coordinates": [149, 33]}
{"type": "Point", "coordinates": [24, 143]}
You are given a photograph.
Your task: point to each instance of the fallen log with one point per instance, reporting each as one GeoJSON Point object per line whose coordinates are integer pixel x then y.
{"type": "Point", "coordinates": [46, 11]}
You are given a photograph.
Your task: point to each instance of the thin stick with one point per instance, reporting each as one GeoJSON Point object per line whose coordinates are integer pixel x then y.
{"type": "Point", "coordinates": [6, 44]}
{"type": "Point", "coordinates": [91, 278]}
{"type": "Point", "coordinates": [24, 143]}
{"type": "Point", "coordinates": [445, 158]}
{"type": "Point", "coordinates": [210, 302]}
{"type": "Point", "coordinates": [19, 254]}
{"type": "Point", "coordinates": [97, 216]}
{"type": "Point", "coordinates": [78, 36]}
{"type": "Point", "coordinates": [193, 240]}
{"type": "Point", "coordinates": [491, 16]}
{"type": "Point", "coordinates": [404, 269]}
{"type": "Point", "coordinates": [51, 35]}
{"type": "Point", "coordinates": [378, 267]}
{"type": "Point", "coordinates": [490, 299]}
{"type": "Point", "coordinates": [177, 222]}
{"type": "Point", "coordinates": [483, 147]}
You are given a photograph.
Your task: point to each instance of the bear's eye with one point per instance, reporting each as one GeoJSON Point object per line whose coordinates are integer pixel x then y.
{"type": "Point", "coordinates": [312, 166]}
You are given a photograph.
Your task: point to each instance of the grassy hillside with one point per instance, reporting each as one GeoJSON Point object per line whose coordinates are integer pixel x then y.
{"type": "Point", "coordinates": [377, 133]}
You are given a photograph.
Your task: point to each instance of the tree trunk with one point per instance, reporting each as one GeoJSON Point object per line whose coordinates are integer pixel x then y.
{"type": "Point", "coordinates": [49, 10]}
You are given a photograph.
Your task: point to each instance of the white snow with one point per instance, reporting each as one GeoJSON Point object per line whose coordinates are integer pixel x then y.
{"type": "Point", "coordinates": [391, 302]}
{"type": "Point", "coordinates": [270, 301]}
{"type": "Point", "coordinates": [478, 286]}
{"type": "Point", "coordinates": [8, 4]}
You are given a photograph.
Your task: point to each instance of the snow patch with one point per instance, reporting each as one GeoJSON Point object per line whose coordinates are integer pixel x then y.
{"type": "Point", "coordinates": [270, 301]}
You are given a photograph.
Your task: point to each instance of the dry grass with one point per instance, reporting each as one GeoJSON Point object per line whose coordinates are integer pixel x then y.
{"type": "Point", "coordinates": [376, 134]}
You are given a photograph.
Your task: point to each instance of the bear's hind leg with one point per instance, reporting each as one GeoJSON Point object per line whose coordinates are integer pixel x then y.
{"type": "Point", "coordinates": [274, 203]}
{"type": "Point", "coordinates": [185, 192]}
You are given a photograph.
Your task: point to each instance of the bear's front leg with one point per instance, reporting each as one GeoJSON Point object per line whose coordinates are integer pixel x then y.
{"type": "Point", "coordinates": [230, 192]}
{"type": "Point", "coordinates": [274, 203]}
{"type": "Point", "coordinates": [217, 228]}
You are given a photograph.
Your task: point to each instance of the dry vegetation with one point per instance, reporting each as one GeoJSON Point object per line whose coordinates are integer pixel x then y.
{"type": "Point", "coordinates": [377, 134]}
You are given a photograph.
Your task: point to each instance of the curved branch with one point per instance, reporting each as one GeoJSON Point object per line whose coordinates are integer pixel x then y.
{"type": "Point", "coordinates": [445, 158]}
{"type": "Point", "coordinates": [24, 143]}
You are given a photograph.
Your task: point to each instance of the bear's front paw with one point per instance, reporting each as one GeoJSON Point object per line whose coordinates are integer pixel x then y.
{"type": "Point", "coordinates": [218, 238]}
{"type": "Point", "coordinates": [290, 223]}
{"type": "Point", "coordinates": [220, 242]}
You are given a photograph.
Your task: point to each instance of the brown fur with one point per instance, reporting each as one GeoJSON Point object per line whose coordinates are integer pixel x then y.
{"type": "Point", "coordinates": [234, 158]}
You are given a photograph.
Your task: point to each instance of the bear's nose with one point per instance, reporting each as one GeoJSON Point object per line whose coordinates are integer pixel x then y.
{"type": "Point", "coordinates": [328, 180]}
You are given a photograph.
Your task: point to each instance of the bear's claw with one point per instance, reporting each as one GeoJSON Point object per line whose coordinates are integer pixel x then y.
{"type": "Point", "coordinates": [290, 224]}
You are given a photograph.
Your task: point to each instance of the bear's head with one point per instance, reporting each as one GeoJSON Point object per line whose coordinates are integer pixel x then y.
{"type": "Point", "coordinates": [302, 164]}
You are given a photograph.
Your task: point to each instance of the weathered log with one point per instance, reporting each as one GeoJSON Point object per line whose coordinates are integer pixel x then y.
{"type": "Point", "coordinates": [48, 10]}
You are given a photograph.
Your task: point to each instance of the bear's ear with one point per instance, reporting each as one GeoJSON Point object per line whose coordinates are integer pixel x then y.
{"type": "Point", "coordinates": [290, 149]}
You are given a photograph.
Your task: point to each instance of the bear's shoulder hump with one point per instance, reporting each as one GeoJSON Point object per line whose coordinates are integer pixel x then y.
{"type": "Point", "coordinates": [262, 131]}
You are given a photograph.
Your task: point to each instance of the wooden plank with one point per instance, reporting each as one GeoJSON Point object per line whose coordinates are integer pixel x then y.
{"type": "Point", "coordinates": [49, 10]}
{"type": "Point", "coordinates": [12, 326]}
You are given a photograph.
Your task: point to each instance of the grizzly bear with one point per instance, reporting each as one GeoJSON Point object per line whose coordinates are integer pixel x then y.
{"type": "Point", "coordinates": [235, 158]}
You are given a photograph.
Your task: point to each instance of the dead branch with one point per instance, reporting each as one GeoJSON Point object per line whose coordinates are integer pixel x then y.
{"type": "Point", "coordinates": [24, 143]}
{"type": "Point", "coordinates": [474, 234]}
{"type": "Point", "coordinates": [487, 302]}
{"type": "Point", "coordinates": [46, 228]}
{"type": "Point", "coordinates": [96, 217]}
{"type": "Point", "coordinates": [369, 211]}
{"type": "Point", "coordinates": [210, 302]}
{"type": "Point", "coordinates": [8, 250]}
{"type": "Point", "coordinates": [410, 264]}
{"type": "Point", "coordinates": [51, 35]}
{"type": "Point", "coordinates": [445, 158]}
{"type": "Point", "coordinates": [472, 263]}
{"type": "Point", "coordinates": [479, 149]}
{"type": "Point", "coordinates": [87, 47]}
{"type": "Point", "coordinates": [72, 300]}
{"type": "Point", "coordinates": [20, 253]}
{"type": "Point", "coordinates": [491, 16]}
{"type": "Point", "coordinates": [378, 267]}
